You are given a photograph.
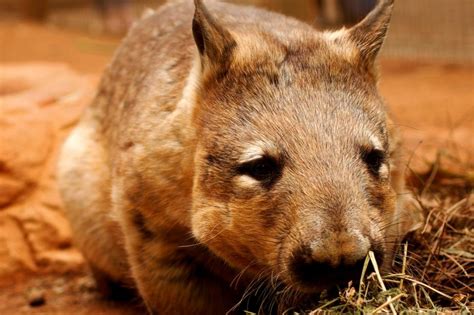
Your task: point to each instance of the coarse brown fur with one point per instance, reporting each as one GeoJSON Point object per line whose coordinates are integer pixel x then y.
{"type": "Point", "coordinates": [237, 149]}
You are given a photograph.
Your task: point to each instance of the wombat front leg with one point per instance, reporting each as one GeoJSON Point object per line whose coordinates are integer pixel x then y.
{"type": "Point", "coordinates": [170, 278]}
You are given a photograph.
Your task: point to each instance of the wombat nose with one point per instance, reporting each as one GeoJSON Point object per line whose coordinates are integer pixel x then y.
{"type": "Point", "coordinates": [322, 270]}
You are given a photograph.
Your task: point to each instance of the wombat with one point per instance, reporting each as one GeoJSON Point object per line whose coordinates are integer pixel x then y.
{"type": "Point", "coordinates": [231, 150]}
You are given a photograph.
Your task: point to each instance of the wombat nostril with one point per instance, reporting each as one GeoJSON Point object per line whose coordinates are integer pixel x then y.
{"type": "Point", "coordinates": [313, 273]}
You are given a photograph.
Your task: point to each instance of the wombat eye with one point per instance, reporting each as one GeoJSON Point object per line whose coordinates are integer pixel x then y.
{"type": "Point", "coordinates": [262, 169]}
{"type": "Point", "coordinates": [373, 159]}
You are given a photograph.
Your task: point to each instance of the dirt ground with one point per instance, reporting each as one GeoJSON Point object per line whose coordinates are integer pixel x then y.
{"type": "Point", "coordinates": [63, 293]}
{"type": "Point", "coordinates": [433, 104]}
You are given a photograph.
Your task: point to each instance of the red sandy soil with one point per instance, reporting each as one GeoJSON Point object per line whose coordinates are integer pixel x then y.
{"type": "Point", "coordinates": [63, 293]}
{"type": "Point", "coordinates": [432, 102]}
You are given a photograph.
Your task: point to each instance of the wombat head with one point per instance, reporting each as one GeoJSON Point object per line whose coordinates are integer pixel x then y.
{"type": "Point", "coordinates": [292, 166]}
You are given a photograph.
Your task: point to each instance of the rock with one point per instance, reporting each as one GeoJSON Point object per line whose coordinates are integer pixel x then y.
{"type": "Point", "coordinates": [36, 297]}
{"type": "Point", "coordinates": [40, 103]}
{"type": "Point", "coordinates": [21, 159]}
{"type": "Point", "coordinates": [11, 188]}
{"type": "Point", "coordinates": [15, 249]}
{"type": "Point", "coordinates": [60, 260]}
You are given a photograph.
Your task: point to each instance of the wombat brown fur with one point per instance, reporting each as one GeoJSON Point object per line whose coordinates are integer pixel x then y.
{"type": "Point", "coordinates": [234, 150]}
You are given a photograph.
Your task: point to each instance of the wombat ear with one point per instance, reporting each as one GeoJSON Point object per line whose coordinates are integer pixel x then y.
{"type": "Point", "coordinates": [370, 33]}
{"type": "Point", "coordinates": [213, 41]}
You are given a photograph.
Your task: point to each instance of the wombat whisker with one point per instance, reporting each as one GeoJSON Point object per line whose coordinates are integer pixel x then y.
{"type": "Point", "coordinates": [272, 286]}
{"type": "Point", "coordinates": [251, 286]}
{"type": "Point", "coordinates": [235, 280]}
{"type": "Point", "coordinates": [247, 292]}
{"type": "Point", "coordinates": [267, 292]}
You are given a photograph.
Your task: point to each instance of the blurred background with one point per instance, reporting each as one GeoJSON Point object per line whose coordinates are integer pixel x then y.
{"type": "Point", "coordinates": [52, 53]}
{"type": "Point", "coordinates": [433, 29]}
